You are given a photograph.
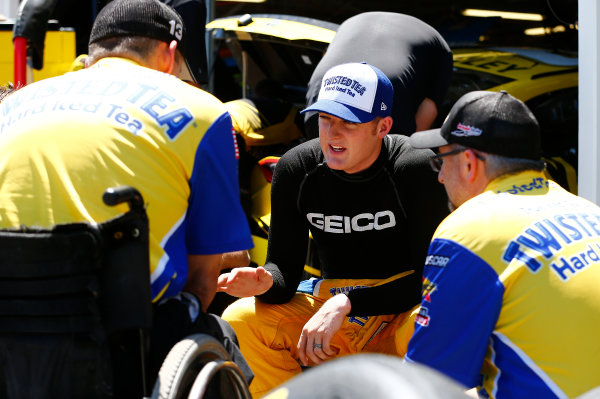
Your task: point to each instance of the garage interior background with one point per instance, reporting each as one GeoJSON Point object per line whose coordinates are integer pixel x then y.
{"type": "Point", "coordinates": [552, 24]}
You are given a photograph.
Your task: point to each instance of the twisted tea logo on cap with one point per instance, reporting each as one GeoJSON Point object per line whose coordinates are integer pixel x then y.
{"type": "Point", "coordinates": [148, 18]}
{"type": "Point", "coordinates": [355, 92]}
{"type": "Point", "coordinates": [493, 122]}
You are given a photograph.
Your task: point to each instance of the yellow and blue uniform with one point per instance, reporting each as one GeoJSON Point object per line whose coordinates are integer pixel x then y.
{"type": "Point", "coordinates": [510, 297]}
{"type": "Point", "coordinates": [66, 139]}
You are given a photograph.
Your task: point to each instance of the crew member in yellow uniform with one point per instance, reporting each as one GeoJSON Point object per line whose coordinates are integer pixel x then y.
{"type": "Point", "coordinates": [129, 120]}
{"type": "Point", "coordinates": [510, 298]}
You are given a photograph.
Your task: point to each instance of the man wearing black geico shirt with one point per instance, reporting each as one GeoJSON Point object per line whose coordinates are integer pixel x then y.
{"type": "Point", "coordinates": [371, 203]}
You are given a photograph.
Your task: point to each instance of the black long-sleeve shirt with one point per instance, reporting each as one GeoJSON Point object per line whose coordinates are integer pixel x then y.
{"type": "Point", "coordinates": [373, 224]}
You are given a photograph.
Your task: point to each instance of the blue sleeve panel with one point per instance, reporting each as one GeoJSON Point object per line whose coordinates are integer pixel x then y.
{"type": "Point", "coordinates": [215, 221]}
{"type": "Point", "coordinates": [176, 265]}
{"type": "Point", "coordinates": [526, 383]}
{"type": "Point", "coordinates": [462, 298]}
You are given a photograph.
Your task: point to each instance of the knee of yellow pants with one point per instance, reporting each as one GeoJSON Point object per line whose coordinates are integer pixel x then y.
{"type": "Point", "coordinates": [252, 320]}
{"type": "Point", "coordinates": [276, 325]}
{"type": "Point", "coordinates": [239, 313]}
{"type": "Point", "coordinates": [257, 328]}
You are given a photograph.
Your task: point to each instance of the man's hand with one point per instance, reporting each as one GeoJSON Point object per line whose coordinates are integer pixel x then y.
{"type": "Point", "coordinates": [245, 281]}
{"type": "Point", "coordinates": [315, 340]}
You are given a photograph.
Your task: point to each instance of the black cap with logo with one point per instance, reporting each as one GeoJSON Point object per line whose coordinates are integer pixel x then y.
{"type": "Point", "coordinates": [493, 122]}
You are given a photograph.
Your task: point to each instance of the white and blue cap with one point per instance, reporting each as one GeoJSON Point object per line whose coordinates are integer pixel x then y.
{"type": "Point", "coordinates": [355, 92]}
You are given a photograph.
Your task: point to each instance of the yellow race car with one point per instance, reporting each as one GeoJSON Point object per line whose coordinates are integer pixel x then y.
{"type": "Point", "coordinates": [546, 81]}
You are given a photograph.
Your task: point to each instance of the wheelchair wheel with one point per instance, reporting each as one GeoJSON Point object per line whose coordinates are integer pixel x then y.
{"type": "Point", "coordinates": [235, 378]}
{"type": "Point", "coordinates": [183, 368]}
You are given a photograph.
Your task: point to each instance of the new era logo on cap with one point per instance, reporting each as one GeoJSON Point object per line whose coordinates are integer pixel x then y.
{"type": "Point", "coordinates": [356, 92]}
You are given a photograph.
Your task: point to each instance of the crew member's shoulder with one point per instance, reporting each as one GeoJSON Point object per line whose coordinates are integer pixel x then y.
{"type": "Point", "coordinates": [400, 150]}
{"type": "Point", "coordinates": [474, 226]}
{"type": "Point", "coordinates": [305, 156]}
{"type": "Point", "coordinates": [463, 226]}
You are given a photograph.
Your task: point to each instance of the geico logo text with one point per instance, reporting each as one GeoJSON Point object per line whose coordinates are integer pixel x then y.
{"type": "Point", "coordinates": [346, 224]}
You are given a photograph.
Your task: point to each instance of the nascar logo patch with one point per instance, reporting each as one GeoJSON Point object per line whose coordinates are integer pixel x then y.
{"type": "Point", "coordinates": [436, 260]}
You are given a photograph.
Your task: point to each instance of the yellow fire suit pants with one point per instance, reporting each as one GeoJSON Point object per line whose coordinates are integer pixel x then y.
{"type": "Point", "coordinates": [268, 334]}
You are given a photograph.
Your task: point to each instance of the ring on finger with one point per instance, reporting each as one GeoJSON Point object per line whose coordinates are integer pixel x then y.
{"type": "Point", "coordinates": [317, 346]}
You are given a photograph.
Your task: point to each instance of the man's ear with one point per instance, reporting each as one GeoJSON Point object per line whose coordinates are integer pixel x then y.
{"type": "Point", "coordinates": [173, 68]}
{"type": "Point", "coordinates": [473, 169]}
{"type": "Point", "coordinates": [384, 126]}
{"type": "Point", "coordinates": [165, 57]}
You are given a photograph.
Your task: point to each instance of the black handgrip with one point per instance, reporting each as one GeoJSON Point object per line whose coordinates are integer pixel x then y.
{"type": "Point", "coordinates": [117, 195]}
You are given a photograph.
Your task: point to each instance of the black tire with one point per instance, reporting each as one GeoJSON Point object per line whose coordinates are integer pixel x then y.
{"type": "Point", "coordinates": [183, 363]}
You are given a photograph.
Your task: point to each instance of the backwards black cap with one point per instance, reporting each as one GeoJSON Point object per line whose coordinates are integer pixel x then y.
{"type": "Point", "coordinates": [493, 122]}
{"type": "Point", "coordinates": [148, 18]}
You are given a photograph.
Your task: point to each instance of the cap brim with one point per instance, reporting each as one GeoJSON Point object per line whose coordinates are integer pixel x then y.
{"type": "Point", "coordinates": [194, 50]}
{"type": "Point", "coordinates": [428, 139]}
{"type": "Point", "coordinates": [340, 110]}
{"type": "Point", "coordinates": [186, 73]}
